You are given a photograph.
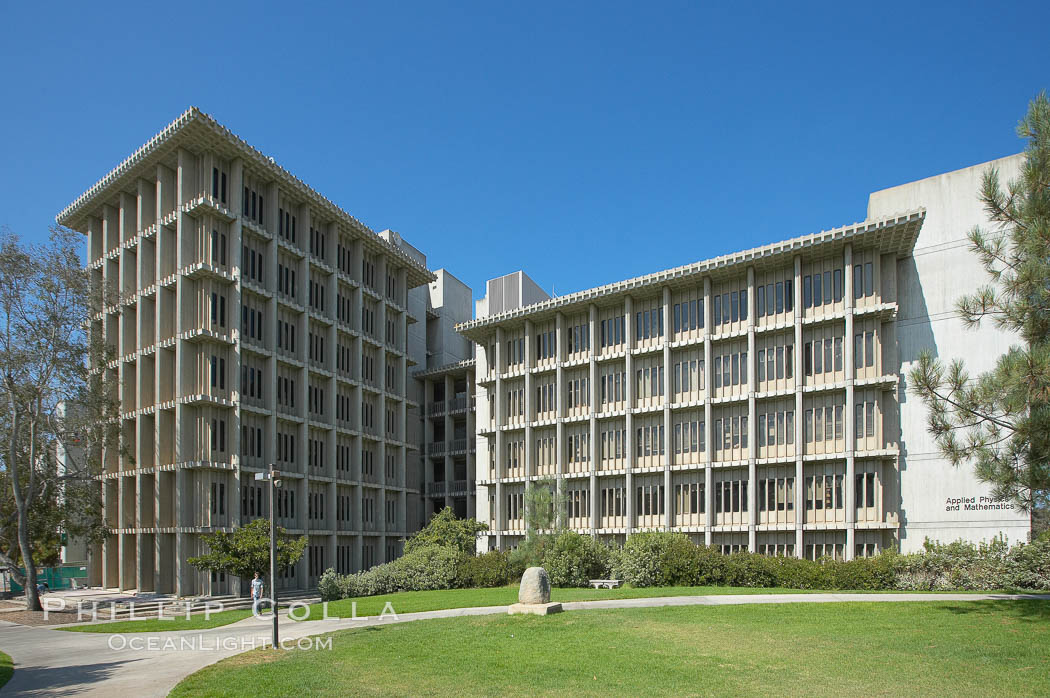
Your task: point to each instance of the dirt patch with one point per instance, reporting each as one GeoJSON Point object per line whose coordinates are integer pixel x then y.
{"type": "Point", "coordinates": [37, 617]}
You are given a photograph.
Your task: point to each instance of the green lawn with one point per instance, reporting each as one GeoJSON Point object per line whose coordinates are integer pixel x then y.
{"type": "Point", "coordinates": [7, 668]}
{"type": "Point", "coordinates": [917, 648]}
{"type": "Point", "coordinates": [194, 622]}
{"type": "Point", "coordinates": [414, 601]}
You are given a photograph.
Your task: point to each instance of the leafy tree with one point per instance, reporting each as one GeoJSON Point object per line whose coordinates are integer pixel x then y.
{"type": "Point", "coordinates": [445, 529]}
{"type": "Point", "coordinates": [544, 508]}
{"type": "Point", "coordinates": [246, 550]}
{"type": "Point", "coordinates": [57, 416]}
{"type": "Point", "coordinates": [1000, 420]}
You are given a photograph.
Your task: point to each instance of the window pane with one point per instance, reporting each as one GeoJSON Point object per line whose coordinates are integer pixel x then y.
{"type": "Point", "coordinates": [817, 293]}
{"type": "Point", "coordinates": [807, 292]}
{"type": "Point", "coordinates": [760, 304]}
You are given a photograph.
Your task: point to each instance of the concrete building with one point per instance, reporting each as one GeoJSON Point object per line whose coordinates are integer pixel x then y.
{"type": "Point", "coordinates": [253, 322]}
{"type": "Point", "coordinates": [756, 401]}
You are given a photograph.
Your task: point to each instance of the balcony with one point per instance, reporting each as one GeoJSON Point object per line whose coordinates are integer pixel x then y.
{"type": "Point", "coordinates": [464, 402]}
{"type": "Point", "coordinates": [447, 488]}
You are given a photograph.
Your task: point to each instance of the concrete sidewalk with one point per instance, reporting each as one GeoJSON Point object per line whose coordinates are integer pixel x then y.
{"type": "Point", "coordinates": [53, 662]}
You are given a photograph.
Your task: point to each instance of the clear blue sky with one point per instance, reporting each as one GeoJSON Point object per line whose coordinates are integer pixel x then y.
{"type": "Point", "coordinates": [496, 136]}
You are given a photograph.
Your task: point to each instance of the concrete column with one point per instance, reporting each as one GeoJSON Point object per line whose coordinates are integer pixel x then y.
{"type": "Point", "coordinates": [752, 470]}
{"type": "Point", "coordinates": [800, 483]}
{"type": "Point", "coordinates": [592, 397]}
{"type": "Point", "coordinates": [667, 383]}
{"type": "Point", "coordinates": [498, 439]}
{"type": "Point", "coordinates": [629, 390]}
{"type": "Point", "coordinates": [851, 442]}
{"type": "Point", "coordinates": [530, 415]}
{"type": "Point", "coordinates": [708, 416]}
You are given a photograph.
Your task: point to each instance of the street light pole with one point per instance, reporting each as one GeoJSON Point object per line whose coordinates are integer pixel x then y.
{"type": "Point", "coordinates": [273, 551]}
{"type": "Point", "coordinates": [274, 477]}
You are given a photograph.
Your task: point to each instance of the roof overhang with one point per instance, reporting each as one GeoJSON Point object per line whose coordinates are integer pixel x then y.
{"type": "Point", "coordinates": [895, 234]}
{"type": "Point", "coordinates": [195, 130]}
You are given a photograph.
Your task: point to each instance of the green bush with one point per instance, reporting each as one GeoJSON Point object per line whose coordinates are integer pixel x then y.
{"type": "Point", "coordinates": [328, 585]}
{"type": "Point", "coordinates": [446, 530]}
{"type": "Point", "coordinates": [679, 560]}
{"type": "Point", "coordinates": [1028, 566]}
{"type": "Point", "coordinates": [639, 561]}
{"type": "Point", "coordinates": [426, 568]}
{"type": "Point", "coordinates": [751, 570]}
{"type": "Point", "coordinates": [711, 566]}
{"type": "Point", "coordinates": [529, 553]}
{"type": "Point", "coordinates": [958, 565]}
{"type": "Point", "coordinates": [486, 570]}
{"type": "Point", "coordinates": [572, 559]}
{"type": "Point", "coordinates": [863, 573]}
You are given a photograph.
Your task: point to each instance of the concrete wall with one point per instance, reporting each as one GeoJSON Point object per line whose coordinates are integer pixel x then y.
{"type": "Point", "coordinates": [941, 270]}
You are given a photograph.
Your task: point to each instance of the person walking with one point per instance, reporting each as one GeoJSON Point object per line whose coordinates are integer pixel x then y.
{"type": "Point", "coordinates": [257, 592]}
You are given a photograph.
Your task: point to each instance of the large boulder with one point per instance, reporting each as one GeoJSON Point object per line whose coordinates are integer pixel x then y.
{"type": "Point", "coordinates": [535, 586]}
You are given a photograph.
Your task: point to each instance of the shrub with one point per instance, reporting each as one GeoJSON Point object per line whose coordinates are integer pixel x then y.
{"type": "Point", "coordinates": [1028, 566]}
{"type": "Point", "coordinates": [750, 570]}
{"type": "Point", "coordinates": [486, 570]}
{"type": "Point", "coordinates": [528, 554]}
{"type": "Point", "coordinates": [679, 560]}
{"type": "Point", "coordinates": [572, 559]}
{"type": "Point", "coordinates": [328, 586]}
{"type": "Point", "coordinates": [445, 529]}
{"type": "Point", "coordinates": [638, 562]}
{"type": "Point", "coordinates": [863, 573]}
{"type": "Point", "coordinates": [426, 568]}
{"type": "Point", "coordinates": [793, 573]}
{"type": "Point", "coordinates": [711, 566]}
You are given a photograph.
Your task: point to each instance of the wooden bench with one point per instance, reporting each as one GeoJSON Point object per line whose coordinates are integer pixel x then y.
{"type": "Point", "coordinates": [605, 583]}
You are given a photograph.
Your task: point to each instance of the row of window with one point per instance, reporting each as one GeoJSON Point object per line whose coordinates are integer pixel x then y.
{"type": "Point", "coordinates": [822, 492]}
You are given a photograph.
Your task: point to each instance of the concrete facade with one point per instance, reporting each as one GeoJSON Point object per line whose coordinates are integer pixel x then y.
{"type": "Point", "coordinates": [253, 322]}
{"type": "Point", "coordinates": [940, 269]}
{"type": "Point", "coordinates": [755, 401]}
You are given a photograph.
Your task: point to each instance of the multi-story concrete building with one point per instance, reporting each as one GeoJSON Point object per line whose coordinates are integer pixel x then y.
{"type": "Point", "coordinates": [253, 322]}
{"type": "Point", "coordinates": [756, 401]}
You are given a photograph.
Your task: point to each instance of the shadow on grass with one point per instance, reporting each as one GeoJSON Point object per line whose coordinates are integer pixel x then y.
{"type": "Point", "coordinates": [1027, 610]}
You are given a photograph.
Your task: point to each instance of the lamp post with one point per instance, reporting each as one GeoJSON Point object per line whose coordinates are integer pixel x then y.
{"type": "Point", "coordinates": [273, 476]}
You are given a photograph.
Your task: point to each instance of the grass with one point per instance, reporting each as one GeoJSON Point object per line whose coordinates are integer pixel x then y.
{"type": "Point", "coordinates": [7, 669]}
{"type": "Point", "coordinates": [916, 648]}
{"type": "Point", "coordinates": [415, 601]}
{"type": "Point", "coordinates": [194, 622]}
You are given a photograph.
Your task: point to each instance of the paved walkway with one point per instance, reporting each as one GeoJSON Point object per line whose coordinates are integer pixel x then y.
{"type": "Point", "coordinates": [54, 662]}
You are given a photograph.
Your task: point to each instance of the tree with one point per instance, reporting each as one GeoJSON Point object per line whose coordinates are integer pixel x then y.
{"type": "Point", "coordinates": [544, 508]}
{"type": "Point", "coordinates": [57, 416]}
{"type": "Point", "coordinates": [1000, 420]}
{"type": "Point", "coordinates": [246, 550]}
{"type": "Point", "coordinates": [446, 530]}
